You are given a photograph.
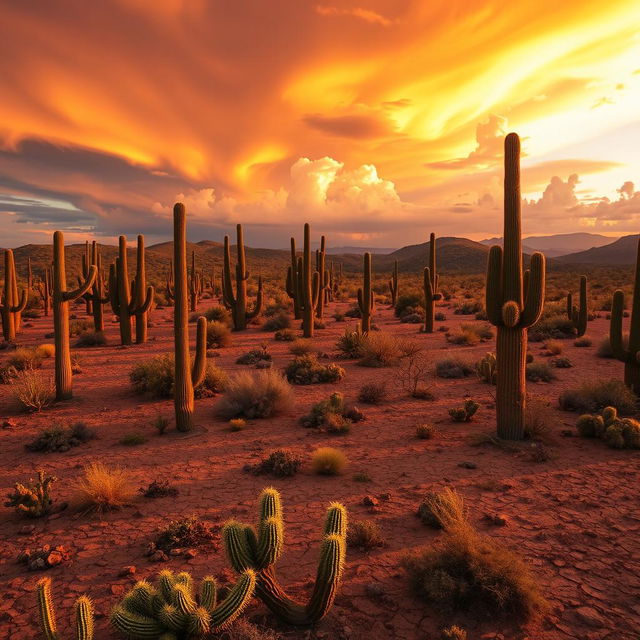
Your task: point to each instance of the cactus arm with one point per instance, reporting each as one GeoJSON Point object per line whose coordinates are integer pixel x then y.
{"type": "Point", "coordinates": [227, 286]}
{"type": "Point", "coordinates": [493, 294]}
{"type": "Point", "coordinates": [200, 361]}
{"type": "Point", "coordinates": [113, 290]}
{"type": "Point", "coordinates": [20, 307]}
{"type": "Point", "coordinates": [46, 612]}
{"type": "Point", "coordinates": [235, 602]}
{"type": "Point", "coordinates": [84, 618]}
{"type": "Point", "coordinates": [257, 307]}
{"type": "Point", "coordinates": [148, 301]}
{"type": "Point", "coordinates": [615, 327]}
{"type": "Point", "coordinates": [534, 303]}
{"type": "Point", "coordinates": [69, 296]}
{"type": "Point", "coordinates": [135, 626]}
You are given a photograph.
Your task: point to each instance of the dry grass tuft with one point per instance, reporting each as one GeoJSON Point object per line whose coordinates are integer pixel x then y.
{"type": "Point", "coordinates": [103, 488]}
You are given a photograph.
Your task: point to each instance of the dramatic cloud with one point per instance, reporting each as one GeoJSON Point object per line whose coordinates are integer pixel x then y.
{"type": "Point", "coordinates": [111, 107]}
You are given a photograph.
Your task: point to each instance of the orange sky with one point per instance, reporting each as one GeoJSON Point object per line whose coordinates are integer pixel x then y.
{"type": "Point", "coordinates": [377, 121]}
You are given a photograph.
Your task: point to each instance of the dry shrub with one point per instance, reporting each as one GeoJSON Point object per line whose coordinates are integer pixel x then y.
{"type": "Point", "coordinates": [365, 535]}
{"type": "Point", "coordinates": [25, 358]}
{"type": "Point", "coordinates": [242, 629]}
{"type": "Point", "coordinates": [453, 368]}
{"type": "Point", "coordinates": [465, 569]}
{"type": "Point", "coordinates": [259, 394]}
{"type": "Point", "coordinates": [91, 338]}
{"type": "Point", "coordinates": [103, 488]}
{"type": "Point", "coordinates": [372, 393]}
{"type": "Point", "coordinates": [379, 349]}
{"type": "Point", "coordinates": [553, 347]}
{"type": "Point", "coordinates": [327, 461]}
{"type": "Point", "coordinates": [593, 396]}
{"type": "Point", "coordinates": [46, 350]}
{"type": "Point", "coordinates": [218, 334]}
{"type": "Point", "coordinates": [302, 347]}
{"type": "Point", "coordinates": [442, 509]}
{"type": "Point", "coordinates": [539, 372]}
{"type": "Point", "coordinates": [33, 391]}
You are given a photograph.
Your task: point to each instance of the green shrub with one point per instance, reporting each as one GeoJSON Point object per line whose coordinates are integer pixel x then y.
{"type": "Point", "coordinates": [216, 314]}
{"type": "Point", "coordinates": [254, 356]}
{"type": "Point", "coordinates": [307, 370]}
{"type": "Point", "coordinates": [453, 368]}
{"type": "Point", "coordinates": [350, 343]}
{"type": "Point", "coordinates": [58, 439]}
{"type": "Point", "coordinates": [132, 439]}
{"type": "Point", "coordinates": [302, 347]}
{"type": "Point", "coordinates": [285, 335]}
{"type": "Point", "coordinates": [277, 322]}
{"type": "Point", "coordinates": [281, 463]}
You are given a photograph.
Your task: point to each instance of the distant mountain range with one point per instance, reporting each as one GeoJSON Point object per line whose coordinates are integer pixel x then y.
{"type": "Point", "coordinates": [358, 250]}
{"type": "Point", "coordinates": [622, 251]}
{"type": "Point", "coordinates": [559, 244]}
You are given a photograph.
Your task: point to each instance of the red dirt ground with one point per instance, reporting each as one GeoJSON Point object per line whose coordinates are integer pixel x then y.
{"type": "Point", "coordinates": [574, 518]}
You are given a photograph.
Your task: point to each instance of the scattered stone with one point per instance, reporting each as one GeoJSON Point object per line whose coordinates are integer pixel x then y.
{"type": "Point", "coordinates": [9, 424]}
{"type": "Point", "coordinates": [497, 519]}
{"type": "Point", "coordinates": [468, 465]}
{"type": "Point", "coordinates": [44, 558]}
{"type": "Point", "coordinates": [127, 571]}
{"type": "Point", "coordinates": [370, 501]}
{"type": "Point", "coordinates": [385, 496]}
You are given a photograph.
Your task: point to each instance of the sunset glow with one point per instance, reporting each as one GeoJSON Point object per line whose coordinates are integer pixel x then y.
{"type": "Point", "coordinates": [378, 122]}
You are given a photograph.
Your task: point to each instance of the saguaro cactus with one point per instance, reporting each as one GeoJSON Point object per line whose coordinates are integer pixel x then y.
{"type": "Point", "coordinates": [124, 303]}
{"type": "Point", "coordinates": [61, 300]}
{"type": "Point", "coordinates": [96, 296]}
{"type": "Point", "coordinates": [511, 309]}
{"type": "Point", "coordinates": [366, 301]}
{"type": "Point", "coordinates": [260, 548]}
{"type": "Point", "coordinates": [629, 354]}
{"type": "Point", "coordinates": [195, 284]}
{"type": "Point", "coordinates": [237, 302]}
{"type": "Point", "coordinates": [11, 306]}
{"type": "Point", "coordinates": [170, 608]}
{"type": "Point", "coordinates": [430, 284]}
{"type": "Point", "coordinates": [308, 286]}
{"type": "Point", "coordinates": [86, 261]}
{"type": "Point", "coordinates": [579, 315]}
{"type": "Point", "coordinates": [393, 283]}
{"type": "Point", "coordinates": [292, 284]}
{"type": "Point", "coordinates": [186, 378]}
{"type": "Point", "coordinates": [47, 615]}
{"type": "Point", "coordinates": [44, 289]}
{"type": "Point", "coordinates": [323, 278]}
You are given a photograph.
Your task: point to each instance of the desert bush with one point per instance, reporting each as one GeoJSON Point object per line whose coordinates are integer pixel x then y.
{"type": "Point", "coordinates": [350, 343]}
{"type": "Point", "coordinates": [379, 349]}
{"type": "Point", "coordinates": [262, 394]}
{"type": "Point", "coordinates": [155, 377]}
{"type": "Point", "coordinates": [604, 348]}
{"type": "Point", "coordinates": [372, 393]}
{"type": "Point", "coordinates": [454, 633]}
{"type": "Point", "coordinates": [215, 314]}
{"type": "Point", "coordinates": [593, 396]}
{"type": "Point", "coordinates": [413, 375]}
{"type": "Point", "coordinates": [425, 431]}
{"type": "Point", "coordinates": [361, 476]}
{"type": "Point", "coordinates": [91, 339]}
{"type": "Point", "coordinates": [470, 334]}
{"type": "Point", "coordinates": [277, 322]}
{"type": "Point", "coordinates": [552, 324]}
{"type": "Point", "coordinates": [563, 362]}
{"type": "Point", "coordinates": [584, 341]}
{"type": "Point", "coordinates": [76, 327]}
{"type": "Point", "coordinates": [539, 420]}
{"type": "Point", "coordinates": [453, 368]}
{"type": "Point", "coordinates": [307, 370]}
{"type": "Point", "coordinates": [468, 308]}
{"type": "Point", "coordinates": [183, 533]}
{"type": "Point", "coordinates": [553, 347]}
{"type": "Point", "coordinates": [24, 359]}
{"type": "Point", "coordinates": [364, 535]}
{"type": "Point", "coordinates": [439, 509]}
{"type": "Point", "coordinates": [464, 413]}
{"type": "Point", "coordinates": [237, 424]}
{"type": "Point", "coordinates": [285, 335]}
{"type": "Point", "coordinates": [103, 488]}
{"type": "Point", "coordinates": [161, 424]}
{"type": "Point", "coordinates": [439, 316]}
{"type": "Point", "coordinates": [218, 335]}
{"type": "Point", "coordinates": [59, 439]}
{"type": "Point", "coordinates": [46, 350]}
{"type": "Point", "coordinates": [280, 463]}
{"type": "Point", "coordinates": [132, 439]}
{"type": "Point", "coordinates": [332, 414]}
{"type": "Point", "coordinates": [408, 304]}
{"type": "Point", "coordinates": [327, 461]}
{"type": "Point", "coordinates": [159, 489]}
{"type": "Point", "coordinates": [242, 629]}
{"type": "Point", "coordinates": [465, 569]}
{"type": "Point", "coordinates": [539, 372]}
{"type": "Point", "coordinates": [32, 391]}
{"type": "Point", "coordinates": [302, 347]}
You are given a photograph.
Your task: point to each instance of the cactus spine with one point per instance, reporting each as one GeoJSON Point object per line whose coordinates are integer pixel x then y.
{"type": "Point", "coordinates": [61, 300]}
{"type": "Point", "coordinates": [44, 289]}
{"type": "Point", "coordinates": [47, 615]}
{"type": "Point", "coordinates": [579, 315]}
{"type": "Point", "coordinates": [185, 377]}
{"type": "Point", "coordinates": [365, 296]}
{"type": "Point", "coordinates": [393, 284]}
{"type": "Point", "coordinates": [170, 609]}
{"type": "Point", "coordinates": [509, 308]}
{"type": "Point", "coordinates": [293, 286]}
{"type": "Point", "coordinates": [12, 306]}
{"type": "Point", "coordinates": [237, 302]}
{"type": "Point", "coordinates": [630, 354]}
{"type": "Point", "coordinates": [125, 303]}
{"type": "Point", "coordinates": [430, 285]}
{"type": "Point", "coordinates": [308, 286]}
{"type": "Point", "coordinates": [260, 548]}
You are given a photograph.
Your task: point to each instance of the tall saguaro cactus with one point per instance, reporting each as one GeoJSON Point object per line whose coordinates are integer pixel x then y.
{"type": "Point", "coordinates": [509, 307]}
{"type": "Point", "coordinates": [366, 301]}
{"type": "Point", "coordinates": [186, 377]}
{"type": "Point", "coordinates": [96, 296]}
{"type": "Point", "coordinates": [323, 278]}
{"type": "Point", "coordinates": [579, 315]}
{"type": "Point", "coordinates": [44, 289]}
{"type": "Point", "coordinates": [11, 306]}
{"type": "Point", "coordinates": [308, 286]}
{"type": "Point", "coordinates": [237, 302]}
{"type": "Point", "coordinates": [292, 285]}
{"type": "Point", "coordinates": [393, 283]}
{"type": "Point", "coordinates": [195, 284]}
{"type": "Point", "coordinates": [630, 354]}
{"type": "Point", "coordinates": [61, 300]}
{"type": "Point", "coordinates": [430, 285]}
{"type": "Point", "coordinates": [125, 303]}
{"type": "Point", "coordinates": [47, 615]}
{"type": "Point", "coordinates": [259, 549]}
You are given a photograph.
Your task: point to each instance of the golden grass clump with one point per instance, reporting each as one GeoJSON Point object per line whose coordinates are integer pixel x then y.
{"type": "Point", "coordinates": [32, 390]}
{"type": "Point", "coordinates": [327, 461]}
{"type": "Point", "coordinates": [103, 488]}
{"type": "Point", "coordinates": [46, 350]}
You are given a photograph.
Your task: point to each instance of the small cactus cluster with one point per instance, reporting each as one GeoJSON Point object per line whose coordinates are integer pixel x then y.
{"type": "Point", "coordinates": [171, 610]}
{"type": "Point", "coordinates": [32, 500]}
{"type": "Point", "coordinates": [579, 314]}
{"type": "Point", "coordinates": [130, 300]}
{"type": "Point", "coordinates": [514, 302]}
{"type": "Point", "coordinates": [487, 368]}
{"type": "Point", "coordinates": [366, 301]}
{"type": "Point", "coordinates": [47, 616]}
{"type": "Point", "coordinates": [464, 413]}
{"type": "Point", "coordinates": [627, 353]}
{"type": "Point", "coordinates": [237, 302]}
{"type": "Point", "coordinates": [12, 305]}
{"type": "Point", "coordinates": [617, 432]}
{"type": "Point", "coordinates": [259, 549]}
{"type": "Point", "coordinates": [430, 285]}
{"type": "Point", "coordinates": [393, 284]}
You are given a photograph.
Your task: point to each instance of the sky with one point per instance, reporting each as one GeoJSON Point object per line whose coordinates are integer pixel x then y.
{"type": "Point", "coordinates": [377, 121]}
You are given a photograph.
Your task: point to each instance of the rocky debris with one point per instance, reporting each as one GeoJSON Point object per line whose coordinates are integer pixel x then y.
{"type": "Point", "coordinates": [44, 557]}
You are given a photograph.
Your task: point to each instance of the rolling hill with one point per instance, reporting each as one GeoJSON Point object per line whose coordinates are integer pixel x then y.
{"type": "Point", "coordinates": [559, 244]}
{"type": "Point", "coordinates": [620, 252]}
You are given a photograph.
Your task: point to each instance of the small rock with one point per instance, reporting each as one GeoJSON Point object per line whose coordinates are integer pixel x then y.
{"type": "Point", "coordinates": [9, 424]}
{"type": "Point", "coordinates": [468, 465]}
{"type": "Point", "coordinates": [159, 556]}
{"type": "Point", "coordinates": [370, 501]}
{"type": "Point", "coordinates": [385, 496]}
{"type": "Point", "coordinates": [190, 553]}
{"type": "Point", "coordinates": [127, 571]}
